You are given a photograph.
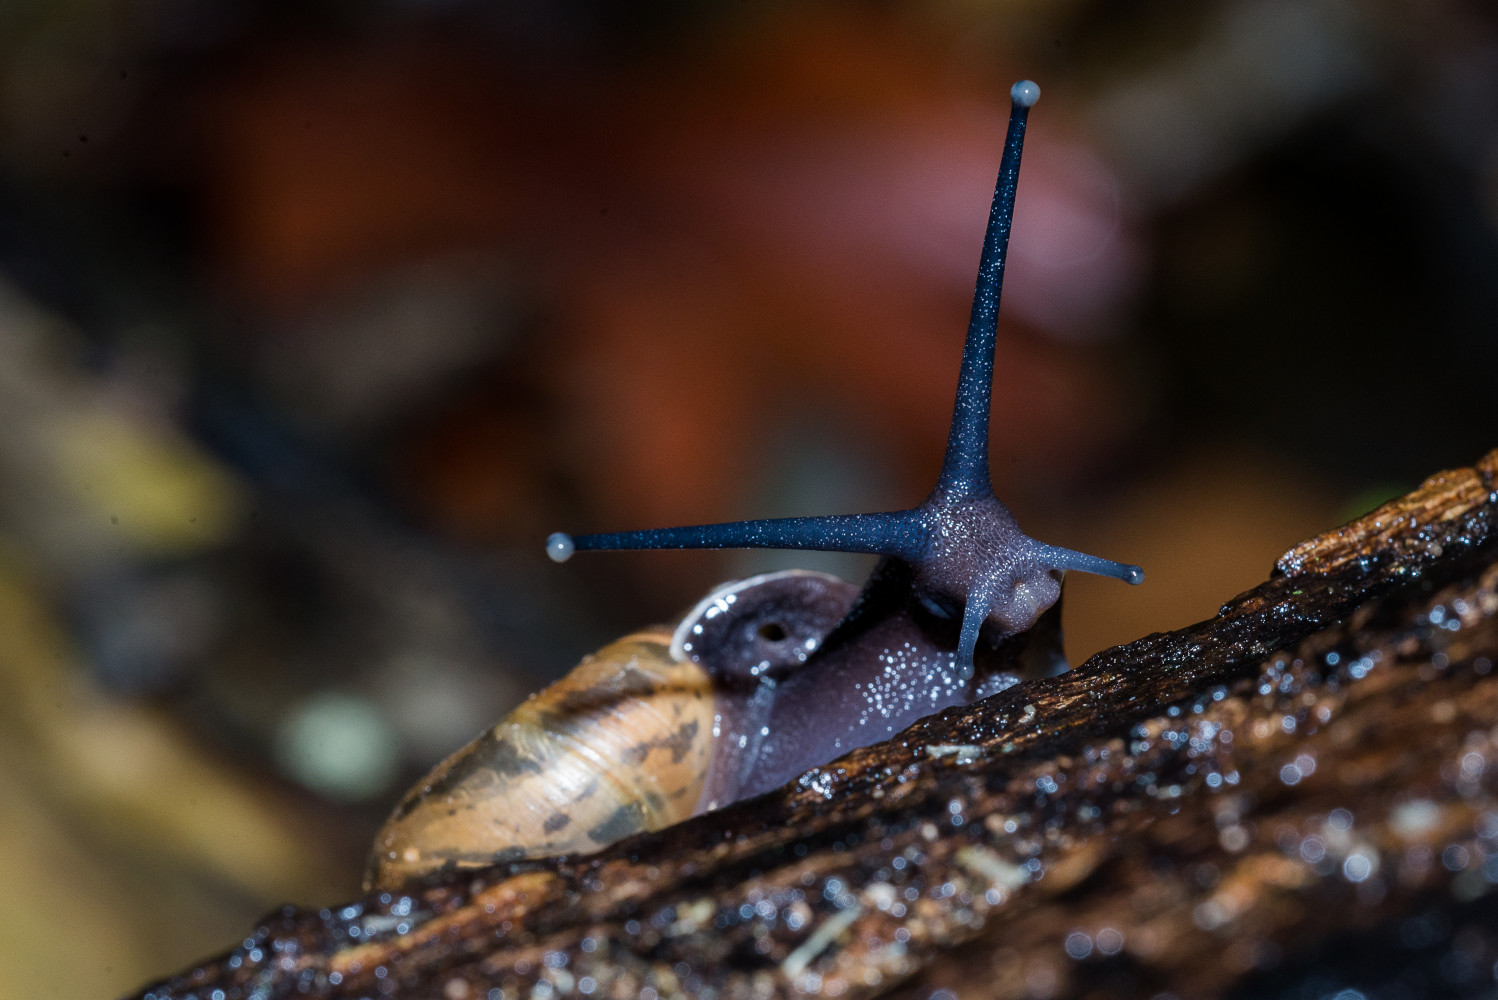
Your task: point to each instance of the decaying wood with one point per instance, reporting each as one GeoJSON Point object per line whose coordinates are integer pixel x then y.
{"type": "Point", "coordinates": [1304, 786]}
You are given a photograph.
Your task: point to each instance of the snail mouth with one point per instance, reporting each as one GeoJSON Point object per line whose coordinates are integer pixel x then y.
{"type": "Point", "coordinates": [1023, 607]}
{"type": "Point", "coordinates": [1030, 652]}
{"type": "Point", "coordinates": [1042, 653]}
{"type": "Point", "coordinates": [1020, 601]}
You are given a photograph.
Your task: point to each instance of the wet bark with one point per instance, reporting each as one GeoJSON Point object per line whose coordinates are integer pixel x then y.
{"type": "Point", "coordinates": [1298, 794]}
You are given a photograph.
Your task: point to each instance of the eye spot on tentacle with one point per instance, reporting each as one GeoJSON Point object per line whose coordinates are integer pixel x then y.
{"type": "Point", "coordinates": [559, 546]}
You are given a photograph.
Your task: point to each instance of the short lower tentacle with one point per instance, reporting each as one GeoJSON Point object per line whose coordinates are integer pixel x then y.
{"type": "Point", "coordinates": [1067, 559]}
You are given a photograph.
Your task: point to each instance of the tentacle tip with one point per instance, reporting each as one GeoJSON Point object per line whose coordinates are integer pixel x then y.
{"type": "Point", "coordinates": [560, 547]}
{"type": "Point", "coordinates": [1133, 575]}
{"type": "Point", "coordinates": [1025, 93]}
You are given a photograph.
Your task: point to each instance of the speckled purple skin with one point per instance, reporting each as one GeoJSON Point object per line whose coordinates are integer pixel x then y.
{"type": "Point", "coordinates": [887, 664]}
{"type": "Point", "coordinates": [807, 666]}
{"type": "Point", "coordinates": [936, 621]}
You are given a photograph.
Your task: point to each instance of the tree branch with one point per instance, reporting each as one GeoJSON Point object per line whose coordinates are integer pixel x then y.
{"type": "Point", "coordinates": [1235, 806]}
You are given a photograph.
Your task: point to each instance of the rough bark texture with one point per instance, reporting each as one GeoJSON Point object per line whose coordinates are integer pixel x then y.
{"type": "Point", "coordinates": [1300, 794]}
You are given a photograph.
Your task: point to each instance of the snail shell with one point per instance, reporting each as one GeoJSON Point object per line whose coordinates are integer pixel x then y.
{"type": "Point", "coordinates": [644, 733]}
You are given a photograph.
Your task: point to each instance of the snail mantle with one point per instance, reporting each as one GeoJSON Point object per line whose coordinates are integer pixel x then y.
{"type": "Point", "coordinates": [1236, 807]}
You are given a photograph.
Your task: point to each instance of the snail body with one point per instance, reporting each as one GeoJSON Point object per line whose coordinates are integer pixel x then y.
{"type": "Point", "coordinates": [791, 669]}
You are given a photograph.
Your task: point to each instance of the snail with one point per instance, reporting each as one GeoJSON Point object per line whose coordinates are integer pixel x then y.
{"type": "Point", "coordinates": [770, 676]}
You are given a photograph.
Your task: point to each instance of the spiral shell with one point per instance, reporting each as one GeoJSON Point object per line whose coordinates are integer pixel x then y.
{"type": "Point", "coordinates": [620, 745]}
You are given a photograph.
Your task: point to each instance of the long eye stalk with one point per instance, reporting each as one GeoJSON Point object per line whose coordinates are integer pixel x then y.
{"type": "Point", "coordinates": [964, 469]}
{"type": "Point", "coordinates": [963, 488]}
{"type": "Point", "coordinates": [898, 533]}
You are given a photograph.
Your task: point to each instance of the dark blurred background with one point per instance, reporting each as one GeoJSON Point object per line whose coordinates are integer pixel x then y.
{"type": "Point", "coordinates": [316, 318]}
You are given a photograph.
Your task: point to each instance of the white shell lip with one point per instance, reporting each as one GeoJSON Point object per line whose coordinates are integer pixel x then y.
{"type": "Point", "coordinates": [721, 598]}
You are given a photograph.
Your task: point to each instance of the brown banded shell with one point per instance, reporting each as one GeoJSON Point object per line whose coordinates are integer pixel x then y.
{"type": "Point", "coordinates": [620, 745]}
